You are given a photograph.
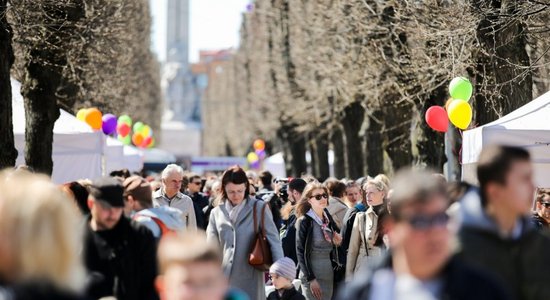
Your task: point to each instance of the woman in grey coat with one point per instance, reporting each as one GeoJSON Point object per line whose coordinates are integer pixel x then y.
{"type": "Point", "coordinates": [231, 225]}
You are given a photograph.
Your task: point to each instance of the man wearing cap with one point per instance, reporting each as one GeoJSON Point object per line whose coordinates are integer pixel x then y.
{"type": "Point", "coordinates": [169, 195]}
{"type": "Point", "coordinates": [139, 206]}
{"type": "Point", "coordinates": [119, 254]}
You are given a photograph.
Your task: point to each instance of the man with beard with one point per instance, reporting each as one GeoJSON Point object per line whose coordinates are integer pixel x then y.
{"type": "Point", "coordinates": [119, 254]}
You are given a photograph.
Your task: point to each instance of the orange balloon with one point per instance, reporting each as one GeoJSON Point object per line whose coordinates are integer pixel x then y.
{"type": "Point", "coordinates": [259, 145]}
{"type": "Point", "coordinates": [137, 139]}
{"type": "Point", "coordinates": [93, 118]}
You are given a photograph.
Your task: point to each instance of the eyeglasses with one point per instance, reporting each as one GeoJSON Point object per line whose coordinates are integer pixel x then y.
{"type": "Point", "coordinates": [423, 222]}
{"type": "Point", "coordinates": [545, 204]}
{"type": "Point", "coordinates": [320, 196]}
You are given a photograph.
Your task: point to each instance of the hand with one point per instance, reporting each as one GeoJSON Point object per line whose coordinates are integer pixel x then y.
{"type": "Point", "coordinates": [337, 239]}
{"type": "Point", "coordinates": [316, 289]}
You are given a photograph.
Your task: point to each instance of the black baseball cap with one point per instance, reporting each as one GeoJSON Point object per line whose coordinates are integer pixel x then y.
{"type": "Point", "coordinates": [109, 190]}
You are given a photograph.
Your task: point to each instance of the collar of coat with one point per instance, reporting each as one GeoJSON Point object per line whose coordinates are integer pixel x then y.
{"type": "Point", "coordinates": [247, 210]}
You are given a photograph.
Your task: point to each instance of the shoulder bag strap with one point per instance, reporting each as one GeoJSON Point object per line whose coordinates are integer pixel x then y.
{"type": "Point", "coordinates": [263, 220]}
{"type": "Point", "coordinates": [255, 218]}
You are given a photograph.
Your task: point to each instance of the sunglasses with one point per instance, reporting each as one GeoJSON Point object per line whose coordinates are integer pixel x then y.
{"type": "Point", "coordinates": [197, 183]}
{"type": "Point", "coordinates": [545, 204]}
{"type": "Point", "coordinates": [319, 197]}
{"type": "Point", "coordinates": [423, 222]}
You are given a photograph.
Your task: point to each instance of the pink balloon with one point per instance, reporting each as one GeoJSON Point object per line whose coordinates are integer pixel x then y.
{"type": "Point", "coordinates": [437, 118]}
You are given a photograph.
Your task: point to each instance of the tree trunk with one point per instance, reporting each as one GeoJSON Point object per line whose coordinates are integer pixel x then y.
{"type": "Point", "coordinates": [503, 79]}
{"type": "Point", "coordinates": [374, 151]}
{"type": "Point", "coordinates": [321, 149]}
{"type": "Point", "coordinates": [298, 159]}
{"type": "Point", "coordinates": [337, 140]}
{"type": "Point", "coordinates": [41, 112]}
{"type": "Point", "coordinates": [397, 129]}
{"type": "Point", "coordinates": [44, 84]}
{"type": "Point", "coordinates": [352, 120]}
{"type": "Point", "coordinates": [429, 143]}
{"type": "Point", "coordinates": [7, 146]}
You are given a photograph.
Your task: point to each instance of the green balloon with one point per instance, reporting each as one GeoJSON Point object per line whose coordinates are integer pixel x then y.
{"type": "Point", "coordinates": [125, 140]}
{"type": "Point", "coordinates": [461, 88]}
{"type": "Point", "coordinates": [125, 119]}
{"type": "Point", "coordinates": [138, 126]}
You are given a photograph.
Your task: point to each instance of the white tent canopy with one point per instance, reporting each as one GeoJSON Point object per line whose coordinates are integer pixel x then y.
{"type": "Point", "coordinates": [76, 149]}
{"type": "Point", "coordinates": [527, 127]}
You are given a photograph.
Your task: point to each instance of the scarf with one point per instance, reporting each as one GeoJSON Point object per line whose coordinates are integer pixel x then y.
{"type": "Point", "coordinates": [234, 210]}
{"type": "Point", "coordinates": [327, 232]}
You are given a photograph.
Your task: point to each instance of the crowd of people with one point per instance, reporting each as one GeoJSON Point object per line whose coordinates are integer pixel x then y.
{"type": "Point", "coordinates": [244, 235]}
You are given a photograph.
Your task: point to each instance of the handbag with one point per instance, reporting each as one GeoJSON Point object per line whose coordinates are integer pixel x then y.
{"type": "Point", "coordinates": [260, 254]}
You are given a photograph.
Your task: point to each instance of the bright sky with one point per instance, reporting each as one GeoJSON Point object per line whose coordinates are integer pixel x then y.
{"type": "Point", "coordinates": [214, 24]}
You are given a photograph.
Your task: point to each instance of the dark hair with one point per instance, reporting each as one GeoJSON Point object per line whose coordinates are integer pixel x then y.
{"type": "Point", "coordinates": [80, 196]}
{"type": "Point", "coordinates": [456, 190]}
{"type": "Point", "coordinates": [192, 176]}
{"type": "Point", "coordinates": [494, 163]}
{"type": "Point", "coordinates": [542, 193]}
{"type": "Point", "coordinates": [297, 184]}
{"type": "Point", "coordinates": [267, 178]}
{"type": "Point", "coordinates": [124, 173]}
{"type": "Point", "coordinates": [235, 175]}
{"type": "Point", "coordinates": [335, 187]}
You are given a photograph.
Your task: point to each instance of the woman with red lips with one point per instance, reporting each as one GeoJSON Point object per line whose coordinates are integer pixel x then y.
{"type": "Point", "coordinates": [317, 240]}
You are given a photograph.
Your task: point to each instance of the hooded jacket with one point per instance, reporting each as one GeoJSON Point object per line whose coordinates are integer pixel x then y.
{"type": "Point", "coordinates": [171, 218]}
{"type": "Point", "coordinates": [519, 261]}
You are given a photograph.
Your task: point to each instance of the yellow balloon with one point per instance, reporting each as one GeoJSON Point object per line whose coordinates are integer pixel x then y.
{"type": "Point", "coordinates": [81, 114]}
{"type": "Point", "coordinates": [460, 113]}
{"type": "Point", "coordinates": [146, 130]}
{"type": "Point", "coordinates": [252, 157]}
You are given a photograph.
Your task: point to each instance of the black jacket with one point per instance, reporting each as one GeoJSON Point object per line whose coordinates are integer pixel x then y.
{"type": "Point", "coordinates": [121, 261]}
{"type": "Point", "coordinates": [288, 238]}
{"type": "Point", "coordinates": [290, 294]}
{"type": "Point", "coordinates": [37, 291]}
{"type": "Point", "coordinates": [539, 222]}
{"type": "Point", "coordinates": [200, 201]}
{"type": "Point", "coordinates": [460, 282]}
{"type": "Point", "coordinates": [304, 227]}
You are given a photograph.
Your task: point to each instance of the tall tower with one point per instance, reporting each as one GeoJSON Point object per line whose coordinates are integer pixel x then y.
{"type": "Point", "coordinates": [177, 32]}
{"type": "Point", "coordinates": [176, 74]}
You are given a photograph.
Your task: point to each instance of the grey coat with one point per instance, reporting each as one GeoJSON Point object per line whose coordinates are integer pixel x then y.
{"type": "Point", "coordinates": [235, 242]}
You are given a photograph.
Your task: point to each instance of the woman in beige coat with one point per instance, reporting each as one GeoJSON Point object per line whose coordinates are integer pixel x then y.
{"type": "Point", "coordinates": [367, 237]}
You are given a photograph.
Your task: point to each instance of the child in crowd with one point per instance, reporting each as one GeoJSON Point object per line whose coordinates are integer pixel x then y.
{"type": "Point", "coordinates": [190, 268]}
{"type": "Point", "coordinates": [282, 273]}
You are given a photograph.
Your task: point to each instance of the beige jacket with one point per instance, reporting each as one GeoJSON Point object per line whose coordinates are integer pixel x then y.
{"type": "Point", "coordinates": [361, 245]}
{"type": "Point", "coordinates": [181, 202]}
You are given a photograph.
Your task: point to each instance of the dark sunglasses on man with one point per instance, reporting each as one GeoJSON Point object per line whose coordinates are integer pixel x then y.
{"type": "Point", "coordinates": [423, 222]}
{"type": "Point", "coordinates": [545, 204]}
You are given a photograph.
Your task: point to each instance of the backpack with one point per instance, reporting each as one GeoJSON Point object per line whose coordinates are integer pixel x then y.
{"type": "Point", "coordinates": [164, 230]}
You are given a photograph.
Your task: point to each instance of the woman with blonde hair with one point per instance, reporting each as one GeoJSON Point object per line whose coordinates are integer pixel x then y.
{"type": "Point", "coordinates": [366, 236]}
{"type": "Point", "coordinates": [317, 243]}
{"type": "Point", "coordinates": [41, 236]}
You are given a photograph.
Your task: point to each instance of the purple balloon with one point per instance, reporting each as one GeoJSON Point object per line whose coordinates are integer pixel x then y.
{"type": "Point", "coordinates": [255, 165]}
{"type": "Point", "coordinates": [260, 153]}
{"type": "Point", "coordinates": [109, 123]}
{"type": "Point", "coordinates": [250, 7]}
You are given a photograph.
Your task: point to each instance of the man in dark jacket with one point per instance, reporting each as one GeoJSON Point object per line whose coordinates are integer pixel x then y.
{"type": "Point", "coordinates": [119, 254]}
{"type": "Point", "coordinates": [497, 233]}
{"type": "Point", "coordinates": [200, 201]}
{"type": "Point", "coordinates": [421, 264]}
{"type": "Point", "coordinates": [288, 231]}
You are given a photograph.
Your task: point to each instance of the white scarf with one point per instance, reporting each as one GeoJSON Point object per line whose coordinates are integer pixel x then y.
{"type": "Point", "coordinates": [234, 210]}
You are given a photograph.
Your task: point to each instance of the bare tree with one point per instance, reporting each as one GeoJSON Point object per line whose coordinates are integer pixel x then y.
{"type": "Point", "coordinates": [7, 147]}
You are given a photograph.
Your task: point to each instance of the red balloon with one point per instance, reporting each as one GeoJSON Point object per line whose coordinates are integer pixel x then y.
{"type": "Point", "coordinates": [123, 129]}
{"type": "Point", "coordinates": [146, 142]}
{"type": "Point", "coordinates": [437, 118]}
